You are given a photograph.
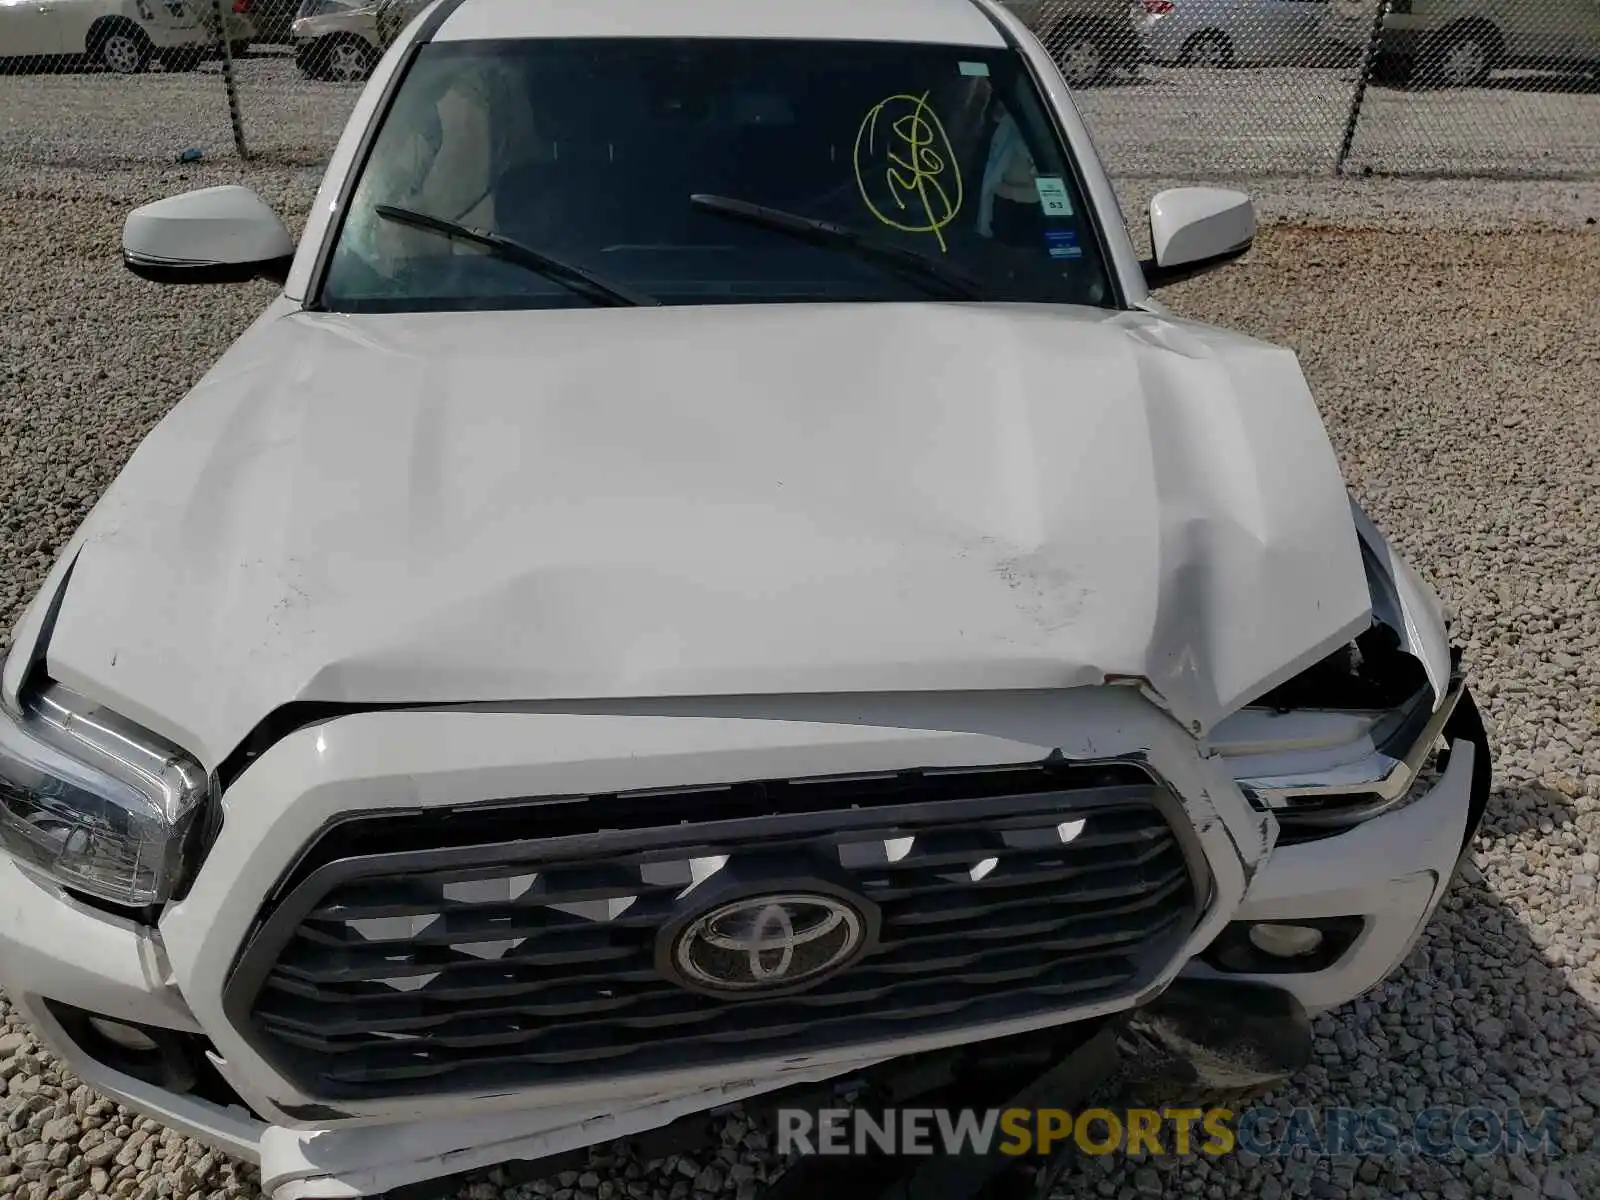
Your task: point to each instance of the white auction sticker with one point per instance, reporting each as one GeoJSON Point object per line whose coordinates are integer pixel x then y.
{"type": "Point", "coordinates": [1053, 196]}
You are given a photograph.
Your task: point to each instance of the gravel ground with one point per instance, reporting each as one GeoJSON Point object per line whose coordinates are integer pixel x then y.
{"type": "Point", "coordinates": [1454, 354]}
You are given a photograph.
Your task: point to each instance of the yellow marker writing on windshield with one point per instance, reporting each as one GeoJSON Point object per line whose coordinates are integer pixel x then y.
{"type": "Point", "coordinates": [902, 142]}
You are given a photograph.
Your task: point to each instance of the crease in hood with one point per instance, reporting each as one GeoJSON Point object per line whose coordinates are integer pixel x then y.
{"type": "Point", "coordinates": [620, 504]}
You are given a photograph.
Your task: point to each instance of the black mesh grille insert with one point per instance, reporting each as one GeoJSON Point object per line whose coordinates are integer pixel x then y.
{"type": "Point", "coordinates": [519, 944]}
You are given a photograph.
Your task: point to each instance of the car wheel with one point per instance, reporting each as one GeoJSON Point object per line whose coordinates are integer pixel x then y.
{"type": "Point", "coordinates": [1210, 49]}
{"type": "Point", "coordinates": [1462, 58]}
{"type": "Point", "coordinates": [347, 60]}
{"type": "Point", "coordinates": [1081, 58]}
{"type": "Point", "coordinates": [124, 49]}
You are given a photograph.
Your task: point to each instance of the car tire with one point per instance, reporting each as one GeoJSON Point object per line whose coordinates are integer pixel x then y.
{"type": "Point", "coordinates": [1460, 57]}
{"type": "Point", "coordinates": [121, 47]}
{"type": "Point", "coordinates": [1209, 49]}
{"type": "Point", "coordinates": [341, 59]}
{"type": "Point", "coordinates": [1081, 55]}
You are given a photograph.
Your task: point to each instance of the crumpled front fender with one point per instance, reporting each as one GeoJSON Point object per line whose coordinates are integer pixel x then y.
{"type": "Point", "coordinates": [1402, 600]}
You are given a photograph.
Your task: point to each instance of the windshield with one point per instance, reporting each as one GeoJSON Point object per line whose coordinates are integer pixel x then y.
{"type": "Point", "coordinates": [577, 172]}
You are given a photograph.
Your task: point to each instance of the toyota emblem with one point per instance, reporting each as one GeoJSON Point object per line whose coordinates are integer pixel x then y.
{"type": "Point", "coordinates": [765, 943]}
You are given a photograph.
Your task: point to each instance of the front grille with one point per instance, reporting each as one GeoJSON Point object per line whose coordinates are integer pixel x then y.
{"type": "Point", "coordinates": [516, 944]}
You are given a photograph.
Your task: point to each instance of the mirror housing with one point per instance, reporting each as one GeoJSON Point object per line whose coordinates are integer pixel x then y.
{"type": "Point", "coordinates": [214, 235]}
{"type": "Point", "coordinates": [1197, 229]}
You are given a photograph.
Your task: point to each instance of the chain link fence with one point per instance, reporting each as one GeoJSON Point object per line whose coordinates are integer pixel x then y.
{"type": "Point", "coordinates": [1171, 89]}
{"type": "Point", "coordinates": [1201, 88]}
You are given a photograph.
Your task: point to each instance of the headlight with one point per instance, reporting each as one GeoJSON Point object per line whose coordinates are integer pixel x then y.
{"type": "Point", "coordinates": [93, 801]}
{"type": "Point", "coordinates": [1345, 741]}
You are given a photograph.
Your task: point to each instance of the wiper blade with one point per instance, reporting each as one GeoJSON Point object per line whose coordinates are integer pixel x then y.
{"type": "Point", "coordinates": [570, 276]}
{"type": "Point", "coordinates": [927, 270]}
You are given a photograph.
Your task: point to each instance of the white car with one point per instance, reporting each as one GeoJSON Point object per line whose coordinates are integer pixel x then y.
{"type": "Point", "coordinates": [336, 40]}
{"type": "Point", "coordinates": [483, 720]}
{"type": "Point", "coordinates": [1228, 33]}
{"type": "Point", "coordinates": [122, 35]}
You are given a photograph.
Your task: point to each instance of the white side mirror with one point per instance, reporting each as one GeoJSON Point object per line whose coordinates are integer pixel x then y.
{"type": "Point", "coordinates": [215, 235]}
{"type": "Point", "coordinates": [1194, 230]}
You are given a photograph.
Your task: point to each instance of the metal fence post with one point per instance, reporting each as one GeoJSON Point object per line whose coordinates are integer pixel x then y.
{"type": "Point", "coordinates": [1368, 61]}
{"type": "Point", "coordinates": [229, 81]}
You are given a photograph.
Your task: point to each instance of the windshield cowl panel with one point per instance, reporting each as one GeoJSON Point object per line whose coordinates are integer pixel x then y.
{"type": "Point", "coordinates": [576, 172]}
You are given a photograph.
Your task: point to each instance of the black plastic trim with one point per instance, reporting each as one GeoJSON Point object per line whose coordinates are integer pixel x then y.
{"type": "Point", "coordinates": [1234, 953]}
{"type": "Point", "coordinates": [320, 1112]}
{"type": "Point", "coordinates": [275, 270]}
{"type": "Point", "coordinates": [1466, 725]}
{"type": "Point", "coordinates": [1230, 1034]}
{"type": "Point", "coordinates": [39, 651]}
{"type": "Point", "coordinates": [177, 1064]}
{"type": "Point", "coordinates": [289, 719]}
{"type": "Point", "coordinates": [304, 885]}
{"type": "Point", "coordinates": [1156, 276]}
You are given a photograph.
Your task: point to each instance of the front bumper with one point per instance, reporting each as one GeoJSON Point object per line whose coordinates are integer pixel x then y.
{"type": "Point", "coordinates": [54, 952]}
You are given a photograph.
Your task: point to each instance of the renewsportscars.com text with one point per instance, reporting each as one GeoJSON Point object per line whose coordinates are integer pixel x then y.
{"type": "Point", "coordinates": [1265, 1132]}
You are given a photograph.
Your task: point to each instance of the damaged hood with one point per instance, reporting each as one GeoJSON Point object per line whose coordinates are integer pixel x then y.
{"type": "Point", "coordinates": [690, 501]}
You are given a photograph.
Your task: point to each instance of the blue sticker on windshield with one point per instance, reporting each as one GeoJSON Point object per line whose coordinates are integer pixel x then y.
{"type": "Point", "coordinates": [1063, 243]}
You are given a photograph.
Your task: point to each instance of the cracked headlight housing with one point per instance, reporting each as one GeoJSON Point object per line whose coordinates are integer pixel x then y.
{"type": "Point", "coordinates": [94, 802]}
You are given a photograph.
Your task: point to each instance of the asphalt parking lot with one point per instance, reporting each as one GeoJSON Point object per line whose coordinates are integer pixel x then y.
{"type": "Point", "coordinates": [1451, 347]}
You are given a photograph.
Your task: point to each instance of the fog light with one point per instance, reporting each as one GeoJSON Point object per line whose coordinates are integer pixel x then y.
{"type": "Point", "coordinates": [122, 1035]}
{"type": "Point", "coordinates": [1286, 941]}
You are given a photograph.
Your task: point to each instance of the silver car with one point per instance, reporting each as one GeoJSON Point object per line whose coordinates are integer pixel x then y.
{"type": "Point", "coordinates": [336, 40]}
{"type": "Point", "coordinates": [1222, 33]}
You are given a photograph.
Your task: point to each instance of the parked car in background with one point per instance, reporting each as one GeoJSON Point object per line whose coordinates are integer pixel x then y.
{"type": "Point", "coordinates": [1089, 39]}
{"type": "Point", "coordinates": [337, 40]}
{"type": "Point", "coordinates": [395, 15]}
{"type": "Point", "coordinates": [1225, 33]}
{"type": "Point", "coordinates": [273, 19]}
{"type": "Point", "coordinates": [1457, 43]}
{"type": "Point", "coordinates": [124, 36]}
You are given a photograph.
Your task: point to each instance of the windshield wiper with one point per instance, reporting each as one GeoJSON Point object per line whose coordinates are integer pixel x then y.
{"type": "Point", "coordinates": [927, 270]}
{"type": "Point", "coordinates": [572, 277]}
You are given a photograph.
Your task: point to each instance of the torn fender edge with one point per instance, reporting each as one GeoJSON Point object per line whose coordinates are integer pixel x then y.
{"type": "Point", "coordinates": [30, 636]}
{"type": "Point", "coordinates": [1253, 831]}
{"type": "Point", "coordinates": [1403, 601]}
